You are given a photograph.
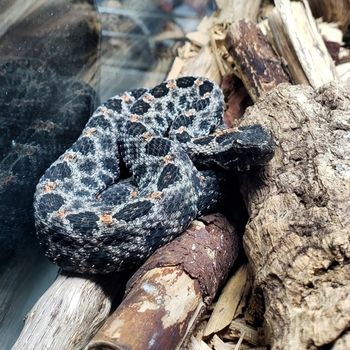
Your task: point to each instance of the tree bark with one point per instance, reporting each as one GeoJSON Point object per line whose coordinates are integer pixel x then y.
{"type": "Point", "coordinates": [298, 239]}
{"type": "Point", "coordinates": [255, 61]}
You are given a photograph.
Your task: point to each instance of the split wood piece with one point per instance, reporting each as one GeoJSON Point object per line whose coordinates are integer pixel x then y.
{"type": "Point", "coordinates": [257, 64]}
{"type": "Point", "coordinates": [168, 293]}
{"type": "Point", "coordinates": [332, 11]}
{"type": "Point", "coordinates": [298, 239]}
{"type": "Point", "coordinates": [66, 315]}
{"type": "Point", "coordinates": [296, 35]}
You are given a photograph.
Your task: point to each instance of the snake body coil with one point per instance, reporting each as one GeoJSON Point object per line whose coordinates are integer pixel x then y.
{"type": "Point", "coordinates": [131, 183]}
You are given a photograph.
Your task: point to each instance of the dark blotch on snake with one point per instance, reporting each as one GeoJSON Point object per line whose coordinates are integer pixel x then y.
{"type": "Point", "coordinates": [168, 176]}
{"type": "Point", "coordinates": [158, 147]}
{"type": "Point", "coordinates": [99, 121]}
{"type": "Point", "coordinates": [133, 211]}
{"type": "Point", "coordinates": [135, 129]}
{"type": "Point", "coordinates": [58, 171]}
{"type": "Point", "coordinates": [199, 105]}
{"type": "Point", "coordinates": [207, 86]}
{"type": "Point", "coordinates": [88, 166]}
{"type": "Point", "coordinates": [137, 93]}
{"type": "Point", "coordinates": [84, 145]}
{"type": "Point", "coordinates": [50, 203]}
{"type": "Point", "coordinates": [185, 82]}
{"type": "Point", "coordinates": [159, 91]}
{"type": "Point", "coordinates": [83, 222]}
{"type": "Point", "coordinates": [140, 107]}
{"type": "Point", "coordinates": [114, 104]}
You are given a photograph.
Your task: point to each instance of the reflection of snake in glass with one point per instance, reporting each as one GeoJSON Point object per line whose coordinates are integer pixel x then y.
{"type": "Point", "coordinates": [129, 184]}
{"type": "Point", "coordinates": [42, 114]}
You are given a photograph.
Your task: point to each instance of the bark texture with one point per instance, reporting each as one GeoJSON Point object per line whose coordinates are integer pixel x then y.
{"type": "Point", "coordinates": [256, 63]}
{"type": "Point", "coordinates": [298, 239]}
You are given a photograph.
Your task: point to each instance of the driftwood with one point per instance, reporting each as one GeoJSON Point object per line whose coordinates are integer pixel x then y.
{"type": "Point", "coordinates": [66, 315]}
{"type": "Point", "coordinates": [169, 292]}
{"type": "Point", "coordinates": [298, 240]}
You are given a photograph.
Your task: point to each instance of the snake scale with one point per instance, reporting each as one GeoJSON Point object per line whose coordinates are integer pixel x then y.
{"type": "Point", "coordinates": [146, 164]}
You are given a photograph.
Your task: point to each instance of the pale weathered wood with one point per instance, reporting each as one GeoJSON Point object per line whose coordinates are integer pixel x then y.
{"type": "Point", "coordinates": [234, 10]}
{"type": "Point", "coordinates": [285, 49]}
{"type": "Point", "coordinates": [307, 43]}
{"type": "Point", "coordinates": [65, 316]}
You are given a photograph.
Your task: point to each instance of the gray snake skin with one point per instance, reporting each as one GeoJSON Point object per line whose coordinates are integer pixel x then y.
{"type": "Point", "coordinates": [144, 167]}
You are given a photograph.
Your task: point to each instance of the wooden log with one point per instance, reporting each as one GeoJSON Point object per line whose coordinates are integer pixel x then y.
{"type": "Point", "coordinates": [256, 63]}
{"type": "Point", "coordinates": [68, 313]}
{"type": "Point", "coordinates": [169, 292]}
{"type": "Point", "coordinates": [298, 239]}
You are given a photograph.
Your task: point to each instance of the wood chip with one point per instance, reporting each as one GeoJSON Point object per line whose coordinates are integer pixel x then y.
{"type": "Point", "coordinates": [239, 328]}
{"type": "Point", "coordinates": [196, 344]}
{"type": "Point", "coordinates": [229, 299]}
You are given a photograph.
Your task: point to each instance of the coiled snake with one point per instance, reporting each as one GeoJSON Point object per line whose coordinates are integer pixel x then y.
{"type": "Point", "coordinates": [143, 168]}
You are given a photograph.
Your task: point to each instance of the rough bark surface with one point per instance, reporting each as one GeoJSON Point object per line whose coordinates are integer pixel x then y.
{"type": "Point", "coordinates": [257, 64]}
{"type": "Point", "coordinates": [298, 239]}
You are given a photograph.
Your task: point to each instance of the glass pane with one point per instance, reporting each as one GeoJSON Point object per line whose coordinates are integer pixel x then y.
{"type": "Point", "coordinates": [58, 60]}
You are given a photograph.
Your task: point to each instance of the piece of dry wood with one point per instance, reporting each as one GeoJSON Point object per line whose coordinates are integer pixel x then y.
{"type": "Point", "coordinates": [257, 64]}
{"type": "Point", "coordinates": [284, 47]}
{"type": "Point", "coordinates": [227, 303]}
{"type": "Point", "coordinates": [343, 71]}
{"type": "Point", "coordinates": [301, 30]}
{"type": "Point", "coordinates": [332, 11]}
{"type": "Point", "coordinates": [166, 295]}
{"type": "Point", "coordinates": [298, 237]}
{"type": "Point", "coordinates": [234, 10]}
{"type": "Point", "coordinates": [66, 316]}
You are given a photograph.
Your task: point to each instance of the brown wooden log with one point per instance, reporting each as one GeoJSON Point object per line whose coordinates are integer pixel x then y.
{"type": "Point", "coordinates": [256, 63]}
{"type": "Point", "coordinates": [169, 292]}
{"type": "Point", "coordinates": [298, 239]}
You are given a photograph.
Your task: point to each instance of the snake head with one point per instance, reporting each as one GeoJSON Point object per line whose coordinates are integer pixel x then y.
{"type": "Point", "coordinates": [248, 147]}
